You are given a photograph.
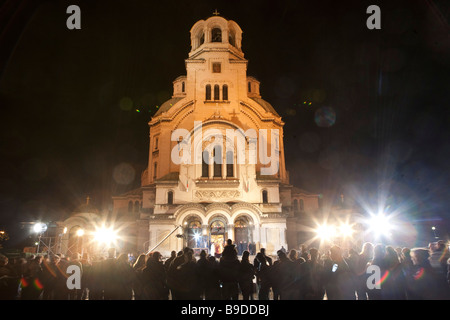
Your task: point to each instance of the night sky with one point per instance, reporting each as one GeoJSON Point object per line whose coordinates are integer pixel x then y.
{"type": "Point", "coordinates": [69, 97]}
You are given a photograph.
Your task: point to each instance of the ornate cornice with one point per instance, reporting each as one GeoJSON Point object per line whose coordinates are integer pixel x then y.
{"type": "Point", "coordinates": [217, 194]}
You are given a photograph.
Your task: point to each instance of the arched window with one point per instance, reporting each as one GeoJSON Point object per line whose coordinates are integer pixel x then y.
{"type": "Point", "coordinates": [170, 197]}
{"type": "Point", "coordinates": [208, 92]}
{"type": "Point", "coordinates": [130, 206]}
{"type": "Point", "coordinates": [302, 205]}
{"type": "Point", "coordinates": [217, 161]}
{"type": "Point", "coordinates": [136, 206]}
{"type": "Point", "coordinates": [205, 167]}
{"type": "Point", "coordinates": [230, 168]}
{"type": "Point", "coordinates": [182, 87]}
{"type": "Point", "coordinates": [216, 92]}
{"type": "Point", "coordinates": [202, 39]}
{"type": "Point", "coordinates": [249, 87]}
{"type": "Point", "coordinates": [216, 35]}
{"type": "Point", "coordinates": [295, 205]}
{"type": "Point", "coordinates": [225, 92]}
{"type": "Point", "coordinates": [264, 197]}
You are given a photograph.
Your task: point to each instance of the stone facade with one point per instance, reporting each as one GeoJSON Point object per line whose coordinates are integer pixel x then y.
{"type": "Point", "coordinates": [206, 201]}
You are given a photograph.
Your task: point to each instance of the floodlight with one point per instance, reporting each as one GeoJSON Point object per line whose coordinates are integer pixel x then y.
{"type": "Point", "coordinates": [40, 227]}
{"type": "Point", "coordinates": [105, 235]}
{"type": "Point", "coordinates": [380, 225]}
{"type": "Point", "coordinates": [346, 230]}
{"type": "Point", "coordinates": [325, 232]}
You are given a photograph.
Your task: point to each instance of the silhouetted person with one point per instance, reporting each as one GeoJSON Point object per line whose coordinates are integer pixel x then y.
{"type": "Point", "coordinates": [230, 251]}
{"type": "Point", "coordinates": [110, 283]}
{"type": "Point", "coordinates": [125, 278]}
{"type": "Point", "coordinates": [439, 254]}
{"type": "Point", "coordinates": [299, 272]}
{"type": "Point", "coordinates": [154, 279]}
{"type": "Point", "coordinates": [379, 256]}
{"type": "Point", "coordinates": [174, 277]}
{"type": "Point", "coordinates": [394, 284]}
{"type": "Point", "coordinates": [425, 283]}
{"type": "Point", "coordinates": [9, 280]}
{"type": "Point", "coordinates": [263, 276]}
{"type": "Point", "coordinates": [189, 289]}
{"type": "Point", "coordinates": [339, 283]}
{"type": "Point", "coordinates": [86, 268]}
{"type": "Point", "coordinates": [246, 276]}
{"type": "Point", "coordinates": [284, 276]}
{"type": "Point", "coordinates": [212, 279]}
{"type": "Point", "coordinates": [172, 257]}
{"type": "Point", "coordinates": [361, 276]}
{"type": "Point", "coordinates": [304, 252]}
{"type": "Point", "coordinates": [252, 248]}
{"type": "Point", "coordinates": [407, 267]}
{"type": "Point", "coordinates": [95, 279]}
{"type": "Point", "coordinates": [54, 279]}
{"type": "Point", "coordinates": [33, 275]}
{"type": "Point", "coordinates": [229, 272]}
{"type": "Point", "coordinates": [202, 267]}
{"type": "Point", "coordinates": [311, 282]}
{"type": "Point", "coordinates": [138, 285]}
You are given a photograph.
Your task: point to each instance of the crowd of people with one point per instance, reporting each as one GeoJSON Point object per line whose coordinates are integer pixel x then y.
{"type": "Point", "coordinates": [306, 274]}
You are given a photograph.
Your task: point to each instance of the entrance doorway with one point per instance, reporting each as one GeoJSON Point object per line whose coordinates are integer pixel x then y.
{"type": "Point", "coordinates": [218, 236]}
{"type": "Point", "coordinates": [242, 235]}
{"type": "Point", "coordinates": [194, 234]}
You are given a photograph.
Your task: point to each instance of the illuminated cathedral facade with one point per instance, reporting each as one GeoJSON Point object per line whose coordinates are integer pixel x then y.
{"type": "Point", "coordinates": [202, 186]}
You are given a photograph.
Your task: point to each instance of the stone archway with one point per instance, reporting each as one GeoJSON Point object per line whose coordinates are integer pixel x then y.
{"type": "Point", "coordinates": [243, 234]}
{"type": "Point", "coordinates": [218, 234]}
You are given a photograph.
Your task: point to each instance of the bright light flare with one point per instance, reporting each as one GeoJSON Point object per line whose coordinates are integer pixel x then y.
{"type": "Point", "coordinates": [196, 236]}
{"type": "Point", "coordinates": [380, 225]}
{"type": "Point", "coordinates": [39, 227]}
{"type": "Point", "coordinates": [325, 232]}
{"type": "Point", "coordinates": [80, 232]}
{"type": "Point", "coordinates": [105, 235]}
{"type": "Point", "coordinates": [346, 230]}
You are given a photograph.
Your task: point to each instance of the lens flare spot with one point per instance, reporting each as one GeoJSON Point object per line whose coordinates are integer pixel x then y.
{"type": "Point", "coordinates": [126, 104]}
{"type": "Point", "coordinates": [124, 173]}
{"type": "Point", "coordinates": [325, 117]}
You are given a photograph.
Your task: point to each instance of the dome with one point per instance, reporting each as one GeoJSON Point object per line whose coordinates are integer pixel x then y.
{"type": "Point", "coordinates": [216, 31]}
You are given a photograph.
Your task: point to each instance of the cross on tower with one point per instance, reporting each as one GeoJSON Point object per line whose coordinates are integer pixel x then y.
{"type": "Point", "coordinates": [216, 13]}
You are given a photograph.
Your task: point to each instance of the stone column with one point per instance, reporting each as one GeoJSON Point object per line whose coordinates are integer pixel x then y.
{"type": "Point", "coordinates": [230, 229]}
{"type": "Point", "coordinates": [207, 32]}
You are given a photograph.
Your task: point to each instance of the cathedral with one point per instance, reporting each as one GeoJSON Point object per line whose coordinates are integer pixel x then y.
{"type": "Point", "coordinates": [216, 161]}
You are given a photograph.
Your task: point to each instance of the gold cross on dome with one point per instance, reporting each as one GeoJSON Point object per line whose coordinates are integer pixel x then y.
{"type": "Point", "coordinates": [216, 13]}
